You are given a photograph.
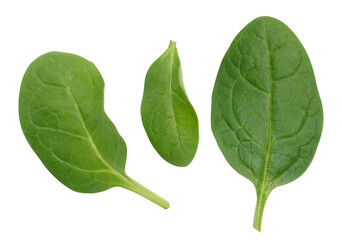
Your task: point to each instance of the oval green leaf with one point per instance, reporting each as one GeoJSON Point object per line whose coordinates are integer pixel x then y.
{"type": "Point", "coordinates": [266, 114]}
{"type": "Point", "coordinates": [61, 109]}
{"type": "Point", "coordinates": [168, 117]}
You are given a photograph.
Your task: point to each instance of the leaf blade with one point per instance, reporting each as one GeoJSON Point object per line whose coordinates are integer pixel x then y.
{"type": "Point", "coordinates": [168, 117]}
{"type": "Point", "coordinates": [263, 86]}
{"type": "Point", "coordinates": [62, 116]}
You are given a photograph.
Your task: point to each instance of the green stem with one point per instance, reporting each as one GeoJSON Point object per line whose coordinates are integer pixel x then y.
{"type": "Point", "coordinates": [259, 210]}
{"type": "Point", "coordinates": [136, 187]}
{"type": "Point", "coordinates": [172, 44]}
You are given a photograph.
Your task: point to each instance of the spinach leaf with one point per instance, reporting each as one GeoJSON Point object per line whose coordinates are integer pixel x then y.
{"type": "Point", "coordinates": [168, 117]}
{"type": "Point", "coordinates": [61, 109]}
{"type": "Point", "coordinates": [267, 115]}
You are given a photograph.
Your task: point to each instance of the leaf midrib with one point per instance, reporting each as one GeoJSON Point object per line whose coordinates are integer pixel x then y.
{"type": "Point", "coordinates": [269, 148]}
{"type": "Point", "coordinates": [91, 141]}
{"type": "Point", "coordinates": [171, 96]}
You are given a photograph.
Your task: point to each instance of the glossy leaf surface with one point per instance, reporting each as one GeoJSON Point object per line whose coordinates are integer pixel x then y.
{"type": "Point", "coordinates": [267, 115]}
{"type": "Point", "coordinates": [168, 117]}
{"type": "Point", "coordinates": [61, 108]}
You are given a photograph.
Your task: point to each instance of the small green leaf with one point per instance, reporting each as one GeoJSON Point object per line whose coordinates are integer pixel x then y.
{"type": "Point", "coordinates": [267, 115]}
{"type": "Point", "coordinates": [62, 116]}
{"type": "Point", "coordinates": [168, 117]}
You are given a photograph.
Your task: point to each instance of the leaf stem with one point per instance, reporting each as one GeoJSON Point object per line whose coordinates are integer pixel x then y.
{"type": "Point", "coordinates": [172, 44]}
{"type": "Point", "coordinates": [136, 187]}
{"type": "Point", "coordinates": [259, 210]}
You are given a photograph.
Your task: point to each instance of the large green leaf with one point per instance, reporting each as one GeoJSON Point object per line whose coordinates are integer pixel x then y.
{"type": "Point", "coordinates": [168, 117]}
{"type": "Point", "coordinates": [267, 115]}
{"type": "Point", "coordinates": [62, 116]}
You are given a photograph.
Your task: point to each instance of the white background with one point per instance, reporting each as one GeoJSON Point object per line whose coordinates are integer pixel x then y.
{"type": "Point", "coordinates": [209, 200]}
